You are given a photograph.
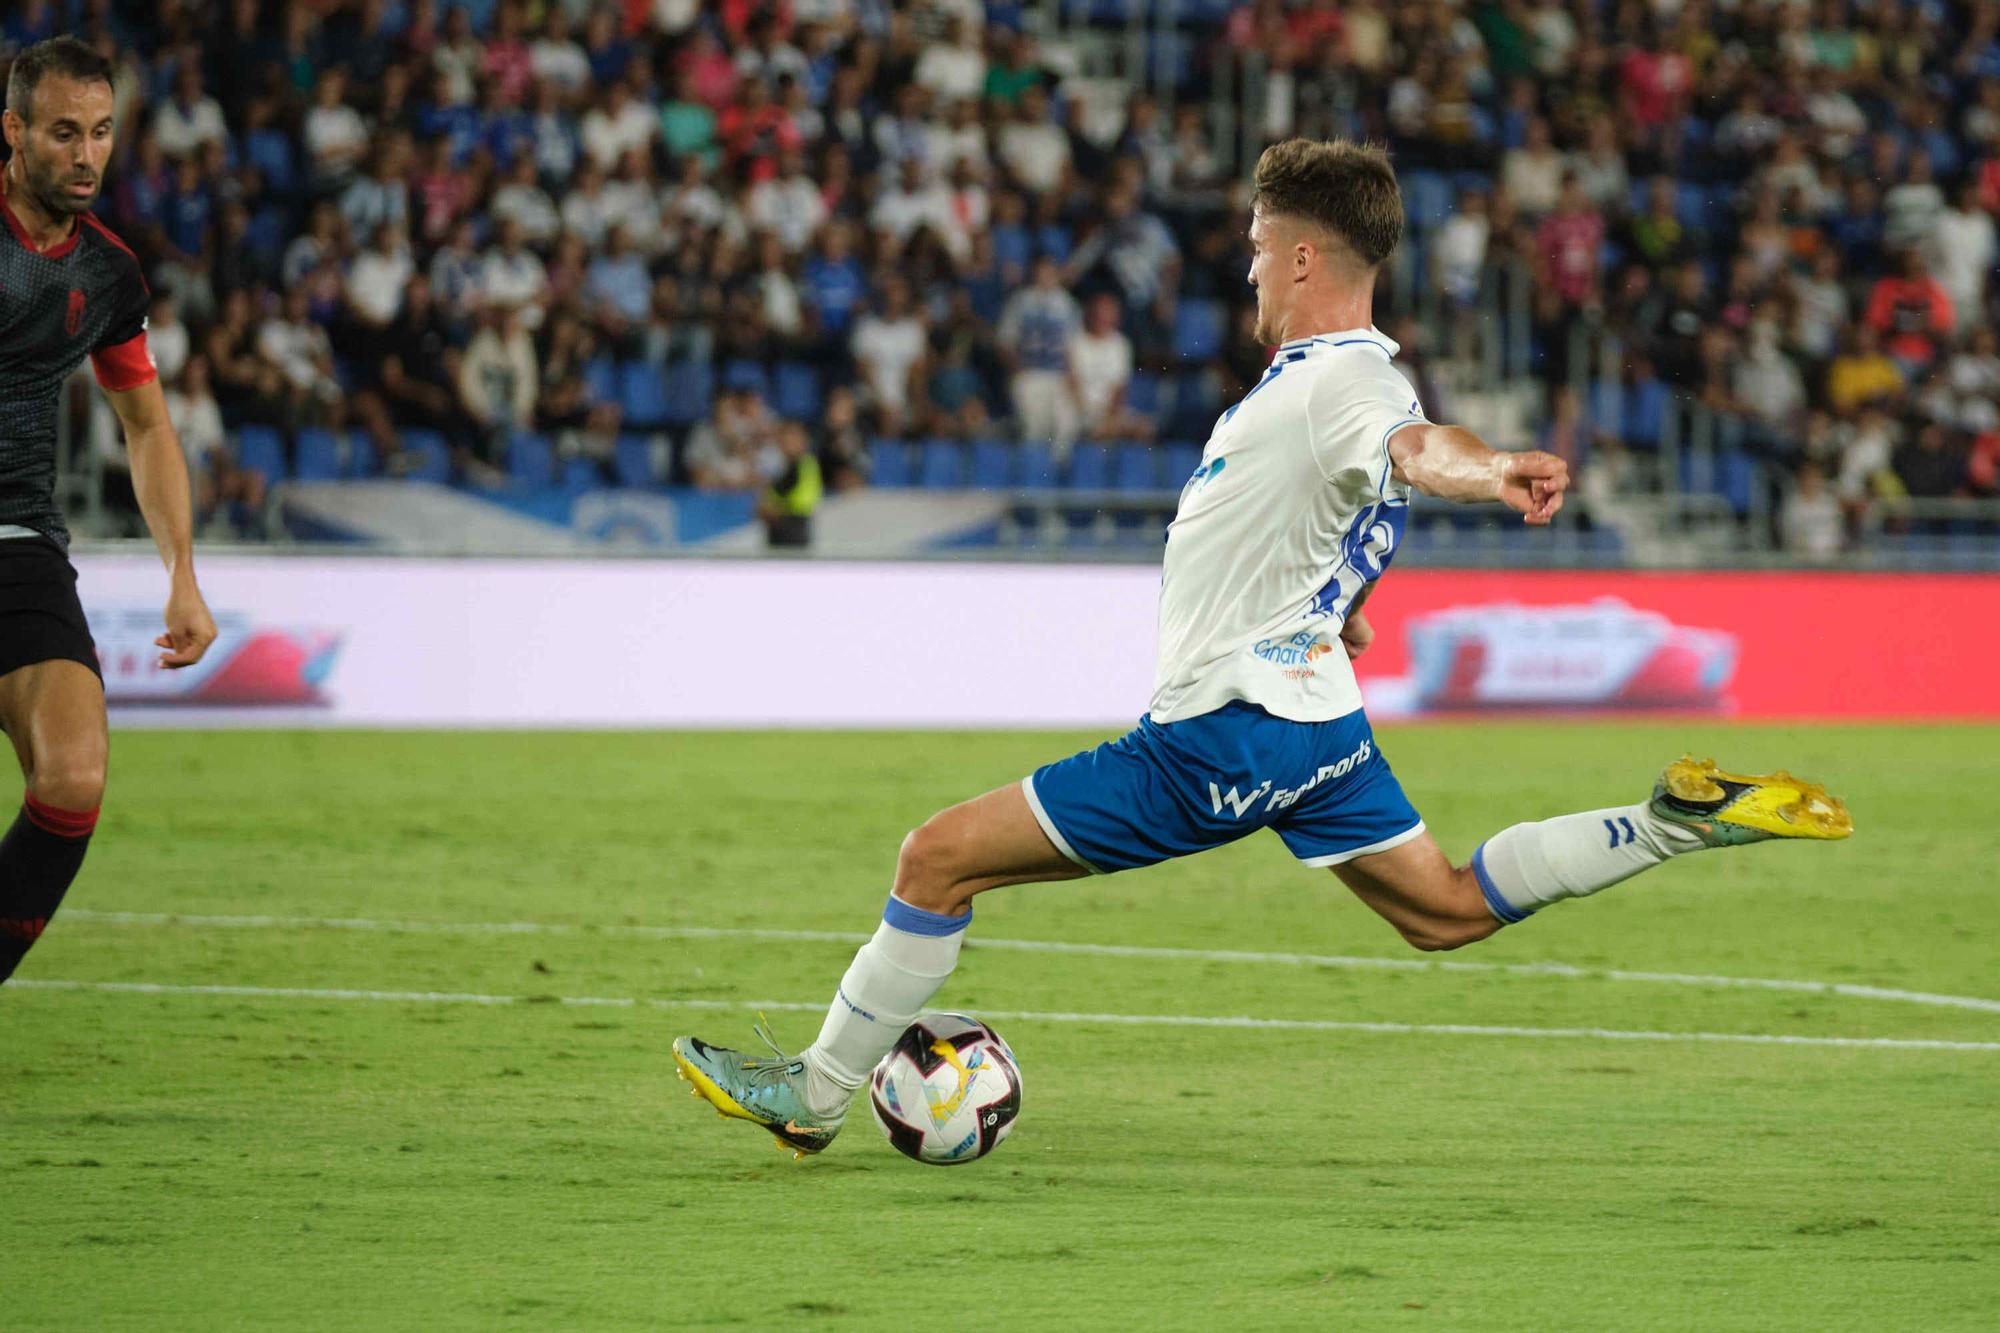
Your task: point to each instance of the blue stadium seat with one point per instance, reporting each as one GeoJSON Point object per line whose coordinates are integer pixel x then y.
{"type": "Point", "coordinates": [1180, 459]}
{"type": "Point", "coordinates": [262, 449]}
{"type": "Point", "coordinates": [1426, 199]}
{"type": "Point", "coordinates": [1645, 415]}
{"type": "Point", "coordinates": [796, 391]}
{"type": "Point", "coordinates": [1038, 468]}
{"type": "Point", "coordinates": [531, 460]}
{"type": "Point", "coordinates": [642, 394]}
{"type": "Point", "coordinates": [994, 464]}
{"type": "Point", "coordinates": [741, 374]}
{"type": "Point", "coordinates": [581, 474]}
{"type": "Point", "coordinates": [430, 456]}
{"type": "Point", "coordinates": [632, 458]}
{"type": "Point", "coordinates": [942, 465]}
{"type": "Point", "coordinates": [1198, 330]}
{"type": "Point", "coordinates": [1737, 479]}
{"type": "Point", "coordinates": [270, 151]}
{"type": "Point", "coordinates": [1137, 468]}
{"type": "Point", "coordinates": [600, 379]}
{"type": "Point", "coordinates": [1143, 394]}
{"type": "Point", "coordinates": [319, 454]}
{"type": "Point", "coordinates": [690, 387]}
{"type": "Point", "coordinates": [1090, 468]}
{"type": "Point", "coordinates": [891, 460]}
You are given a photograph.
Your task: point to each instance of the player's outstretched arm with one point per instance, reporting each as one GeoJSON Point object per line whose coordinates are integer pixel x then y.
{"type": "Point", "coordinates": [1452, 463]}
{"type": "Point", "coordinates": [160, 480]}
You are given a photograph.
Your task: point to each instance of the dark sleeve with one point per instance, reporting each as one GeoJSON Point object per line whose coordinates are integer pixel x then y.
{"type": "Point", "coordinates": [121, 358]}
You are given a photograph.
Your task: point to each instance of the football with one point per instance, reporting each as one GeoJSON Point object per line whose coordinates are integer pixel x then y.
{"type": "Point", "coordinates": [948, 1092]}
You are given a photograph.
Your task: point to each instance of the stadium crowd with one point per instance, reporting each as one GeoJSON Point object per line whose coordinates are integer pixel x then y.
{"type": "Point", "coordinates": [692, 241]}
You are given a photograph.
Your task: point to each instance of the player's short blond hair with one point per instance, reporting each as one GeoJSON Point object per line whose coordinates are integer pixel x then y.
{"type": "Point", "coordinates": [1346, 189]}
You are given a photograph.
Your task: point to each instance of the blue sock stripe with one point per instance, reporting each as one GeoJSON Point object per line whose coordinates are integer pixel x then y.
{"type": "Point", "coordinates": [917, 921]}
{"type": "Point", "coordinates": [1499, 906]}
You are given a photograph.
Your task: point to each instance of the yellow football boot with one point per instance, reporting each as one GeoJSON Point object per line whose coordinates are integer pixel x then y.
{"type": "Point", "coordinates": [1729, 809]}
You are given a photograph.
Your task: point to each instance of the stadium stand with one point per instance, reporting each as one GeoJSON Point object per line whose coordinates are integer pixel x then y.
{"type": "Point", "coordinates": [1733, 259]}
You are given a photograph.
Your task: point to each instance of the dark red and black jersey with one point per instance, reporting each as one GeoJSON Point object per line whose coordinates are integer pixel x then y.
{"type": "Point", "coordinates": [85, 297]}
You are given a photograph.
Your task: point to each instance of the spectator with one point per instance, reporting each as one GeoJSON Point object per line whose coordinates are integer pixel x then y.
{"type": "Point", "coordinates": [619, 290]}
{"type": "Point", "coordinates": [1911, 209]}
{"type": "Point", "coordinates": [556, 59]}
{"type": "Point", "coordinates": [1570, 241]}
{"type": "Point", "coordinates": [1037, 330]}
{"type": "Point", "coordinates": [1100, 368]}
{"type": "Point", "coordinates": [788, 204]}
{"type": "Point", "coordinates": [510, 277]}
{"type": "Point", "coordinates": [1033, 150]}
{"type": "Point", "coordinates": [1533, 174]}
{"type": "Point", "coordinates": [524, 202]}
{"type": "Point", "coordinates": [333, 133]}
{"type": "Point", "coordinates": [1912, 313]}
{"type": "Point", "coordinates": [295, 345]}
{"type": "Point", "coordinates": [616, 126]}
{"type": "Point", "coordinates": [167, 338]}
{"type": "Point", "coordinates": [1458, 256]}
{"type": "Point", "coordinates": [889, 352]}
{"type": "Point", "coordinates": [378, 278]}
{"type": "Point", "coordinates": [1929, 465]}
{"type": "Point", "coordinates": [1809, 522]}
{"type": "Point", "coordinates": [498, 383]}
{"type": "Point", "coordinates": [1767, 382]}
{"type": "Point", "coordinates": [214, 476]}
{"type": "Point", "coordinates": [1860, 374]}
{"type": "Point", "coordinates": [841, 445]}
{"type": "Point", "coordinates": [787, 504]}
{"type": "Point", "coordinates": [735, 449]}
{"type": "Point", "coordinates": [1141, 255]}
{"type": "Point", "coordinates": [953, 70]}
{"type": "Point", "coordinates": [1966, 249]}
{"type": "Point", "coordinates": [190, 118]}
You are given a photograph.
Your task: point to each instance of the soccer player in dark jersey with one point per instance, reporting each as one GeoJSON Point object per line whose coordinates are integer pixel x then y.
{"type": "Point", "coordinates": [68, 289]}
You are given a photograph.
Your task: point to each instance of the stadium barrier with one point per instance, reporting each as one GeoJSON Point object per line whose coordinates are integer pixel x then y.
{"type": "Point", "coordinates": [366, 641]}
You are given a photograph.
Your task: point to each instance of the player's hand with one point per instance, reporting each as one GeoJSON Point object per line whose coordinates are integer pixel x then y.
{"type": "Point", "coordinates": [1356, 635]}
{"type": "Point", "coordinates": [1532, 484]}
{"type": "Point", "coordinates": [190, 628]}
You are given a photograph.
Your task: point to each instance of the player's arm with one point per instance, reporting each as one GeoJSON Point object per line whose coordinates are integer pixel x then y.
{"type": "Point", "coordinates": [1355, 631]}
{"type": "Point", "coordinates": [1452, 463]}
{"type": "Point", "coordinates": [160, 480]}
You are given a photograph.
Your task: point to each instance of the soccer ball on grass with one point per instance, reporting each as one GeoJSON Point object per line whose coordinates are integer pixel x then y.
{"type": "Point", "coordinates": [948, 1091]}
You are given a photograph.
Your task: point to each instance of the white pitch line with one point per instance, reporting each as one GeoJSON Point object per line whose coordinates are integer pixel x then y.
{"type": "Point", "coordinates": [1547, 969]}
{"type": "Point", "coordinates": [1024, 1015]}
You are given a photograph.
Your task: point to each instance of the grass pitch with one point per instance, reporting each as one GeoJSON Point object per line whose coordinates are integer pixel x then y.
{"type": "Point", "coordinates": [330, 1158]}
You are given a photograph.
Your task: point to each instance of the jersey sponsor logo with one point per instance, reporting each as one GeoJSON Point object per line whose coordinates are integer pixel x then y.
{"type": "Point", "coordinates": [73, 314]}
{"type": "Point", "coordinates": [1282, 798]}
{"type": "Point", "coordinates": [1235, 800]}
{"type": "Point", "coordinates": [1300, 650]}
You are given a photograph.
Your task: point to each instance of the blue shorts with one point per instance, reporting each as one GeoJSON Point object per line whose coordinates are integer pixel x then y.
{"type": "Point", "coordinates": [1173, 789]}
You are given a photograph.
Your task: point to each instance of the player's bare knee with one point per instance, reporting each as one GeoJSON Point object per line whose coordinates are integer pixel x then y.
{"type": "Point", "coordinates": [69, 782]}
{"type": "Point", "coordinates": [926, 872]}
{"type": "Point", "coordinates": [1442, 935]}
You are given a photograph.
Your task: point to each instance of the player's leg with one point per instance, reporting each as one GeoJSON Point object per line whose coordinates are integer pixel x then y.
{"type": "Point", "coordinates": [1431, 903]}
{"type": "Point", "coordinates": [54, 713]}
{"type": "Point", "coordinates": [981, 844]}
{"type": "Point", "coordinates": [1525, 867]}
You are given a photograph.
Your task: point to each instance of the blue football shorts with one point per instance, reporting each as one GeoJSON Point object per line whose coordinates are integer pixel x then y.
{"type": "Point", "coordinates": [1172, 789]}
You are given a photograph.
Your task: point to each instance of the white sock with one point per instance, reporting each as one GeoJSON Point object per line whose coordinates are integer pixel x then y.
{"type": "Point", "coordinates": [887, 985]}
{"type": "Point", "coordinates": [1529, 866]}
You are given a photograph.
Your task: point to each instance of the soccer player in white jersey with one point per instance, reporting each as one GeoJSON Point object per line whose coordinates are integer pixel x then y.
{"type": "Point", "coordinates": [1255, 720]}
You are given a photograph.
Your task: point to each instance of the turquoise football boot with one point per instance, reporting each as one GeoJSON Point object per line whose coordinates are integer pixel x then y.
{"type": "Point", "coordinates": [766, 1092]}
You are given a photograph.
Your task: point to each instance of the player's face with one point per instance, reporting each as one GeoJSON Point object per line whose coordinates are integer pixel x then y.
{"type": "Point", "coordinates": [65, 147]}
{"type": "Point", "coordinates": [1267, 277]}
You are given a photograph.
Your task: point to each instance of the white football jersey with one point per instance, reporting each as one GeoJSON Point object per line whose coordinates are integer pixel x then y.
{"type": "Point", "coordinates": [1292, 511]}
